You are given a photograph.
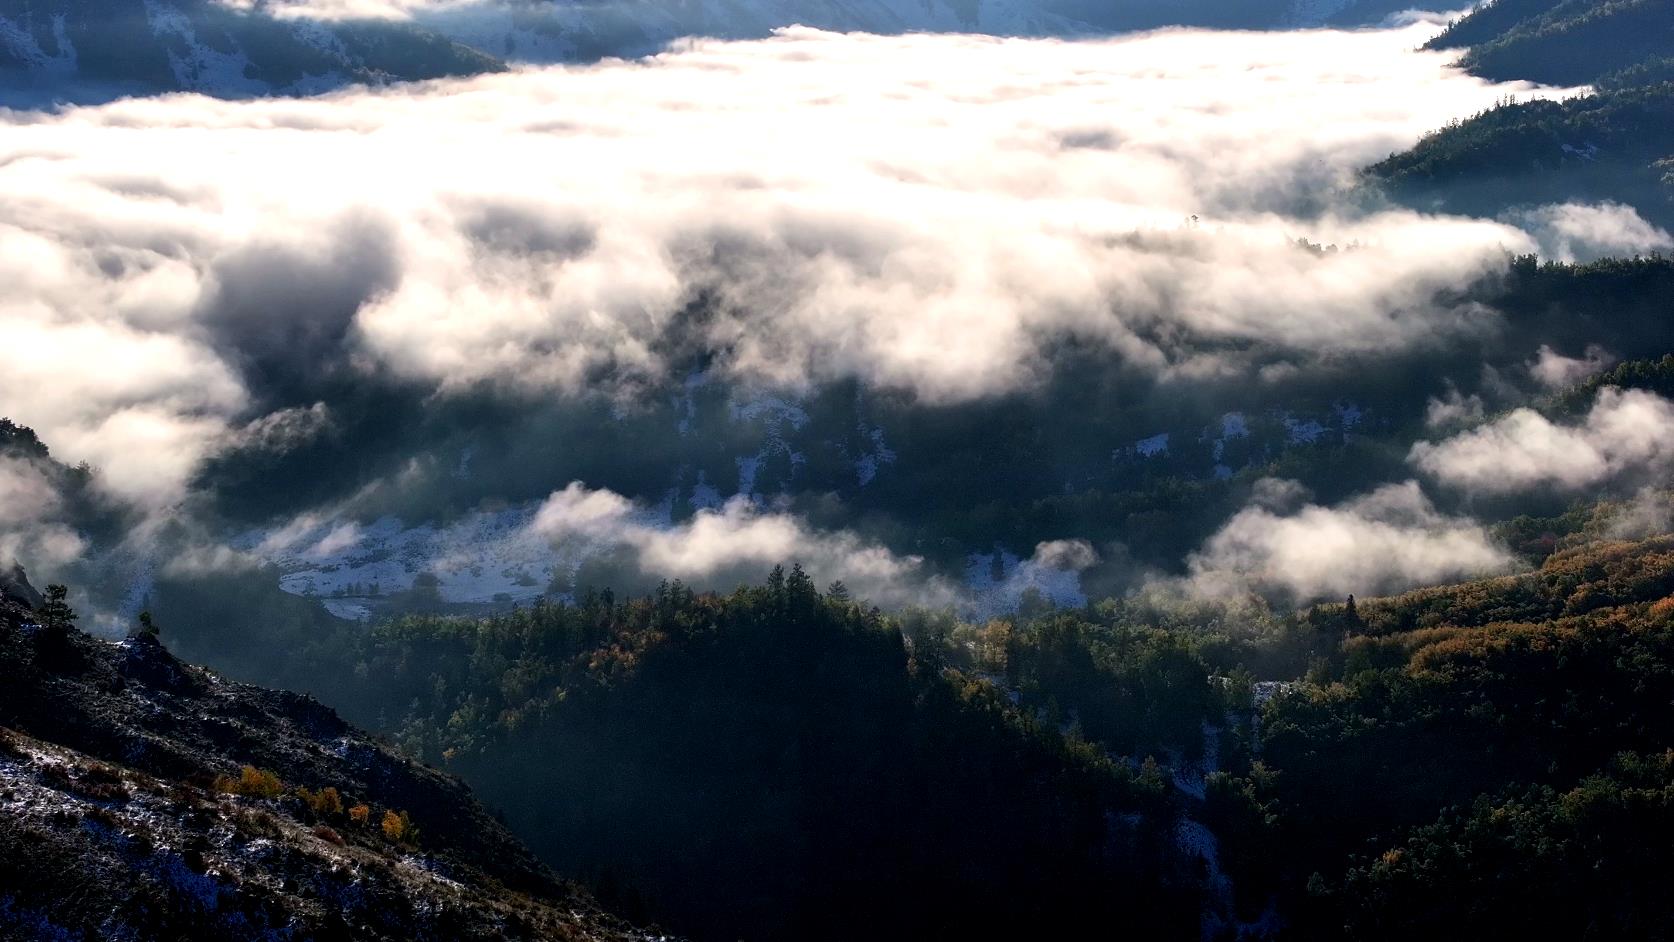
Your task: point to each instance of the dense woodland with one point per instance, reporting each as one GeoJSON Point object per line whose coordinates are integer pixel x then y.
{"type": "Point", "coordinates": [755, 763]}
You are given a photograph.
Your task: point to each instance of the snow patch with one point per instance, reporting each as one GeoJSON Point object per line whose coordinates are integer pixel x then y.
{"type": "Point", "coordinates": [1153, 446]}
{"type": "Point", "coordinates": [996, 582]}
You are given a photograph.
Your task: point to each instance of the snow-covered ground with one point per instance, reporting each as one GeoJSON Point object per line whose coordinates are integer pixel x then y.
{"type": "Point", "coordinates": [482, 558]}
{"type": "Point", "coordinates": [996, 582]}
{"type": "Point", "coordinates": [1153, 446]}
{"type": "Point", "coordinates": [1297, 431]}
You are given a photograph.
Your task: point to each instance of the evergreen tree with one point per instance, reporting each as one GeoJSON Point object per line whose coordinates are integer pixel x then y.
{"type": "Point", "coordinates": [56, 613]}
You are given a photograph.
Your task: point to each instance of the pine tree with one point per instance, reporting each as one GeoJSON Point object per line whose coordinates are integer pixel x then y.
{"type": "Point", "coordinates": [56, 613]}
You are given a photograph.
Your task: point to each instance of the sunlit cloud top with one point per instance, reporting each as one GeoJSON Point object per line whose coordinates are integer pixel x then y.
{"type": "Point", "coordinates": [924, 213]}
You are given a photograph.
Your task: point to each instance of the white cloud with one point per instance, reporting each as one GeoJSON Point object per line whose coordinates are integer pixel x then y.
{"type": "Point", "coordinates": [1625, 433]}
{"type": "Point", "coordinates": [32, 528]}
{"type": "Point", "coordinates": [1388, 540]}
{"type": "Point", "coordinates": [920, 212]}
{"type": "Point", "coordinates": [1574, 232]}
{"type": "Point", "coordinates": [736, 543]}
{"type": "Point", "coordinates": [1454, 409]}
{"type": "Point", "coordinates": [1555, 371]}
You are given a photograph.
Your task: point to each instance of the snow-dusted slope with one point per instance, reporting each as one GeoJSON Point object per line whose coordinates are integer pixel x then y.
{"type": "Point", "coordinates": [85, 51]}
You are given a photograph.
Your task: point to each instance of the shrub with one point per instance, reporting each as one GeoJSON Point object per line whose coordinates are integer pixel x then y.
{"type": "Point", "coordinates": [251, 783]}
{"type": "Point", "coordinates": [324, 802]}
{"type": "Point", "coordinates": [399, 828]}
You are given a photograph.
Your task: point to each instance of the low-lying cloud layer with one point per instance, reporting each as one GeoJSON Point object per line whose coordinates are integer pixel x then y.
{"type": "Point", "coordinates": [1624, 436]}
{"type": "Point", "coordinates": [1391, 539]}
{"type": "Point", "coordinates": [733, 545]}
{"type": "Point", "coordinates": [920, 212]}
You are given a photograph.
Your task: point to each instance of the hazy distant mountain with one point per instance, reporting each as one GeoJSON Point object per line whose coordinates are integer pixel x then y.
{"type": "Point", "coordinates": [92, 50]}
{"type": "Point", "coordinates": [96, 50]}
{"type": "Point", "coordinates": [568, 30]}
{"type": "Point", "coordinates": [546, 31]}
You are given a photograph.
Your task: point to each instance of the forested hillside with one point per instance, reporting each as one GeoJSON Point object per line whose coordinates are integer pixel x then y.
{"type": "Point", "coordinates": [757, 763]}
{"type": "Point", "coordinates": [1051, 755]}
{"type": "Point", "coordinates": [1613, 144]}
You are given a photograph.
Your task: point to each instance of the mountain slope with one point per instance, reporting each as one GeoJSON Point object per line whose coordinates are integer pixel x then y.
{"type": "Point", "coordinates": [1570, 43]}
{"type": "Point", "coordinates": [96, 50]}
{"type": "Point", "coordinates": [180, 806]}
{"type": "Point", "coordinates": [1479, 760]}
{"type": "Point", "coordinates": [1614, 145]}
{"type": "Point", "coordinates": [772, 764]}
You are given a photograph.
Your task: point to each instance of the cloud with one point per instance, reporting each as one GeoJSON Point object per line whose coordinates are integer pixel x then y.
{"type": "Point", "coordinates": [1649, 513]}
{"type": "Point", "coordinates": [284, 429]}
{"type": "Point", "coordinates": [923, 213]}
{"type": "Point", "coordinates": [1624, 434]}
{"type": "Point", "coordinates": [734, 544]}
{"type": "Point", "coordinates": [1388, 540]}
{"type": "Point", "coordinates": [1454, 409]}
{"type": "Point", "coordinates": [32, 525]}
{"type": "Point", "coordinates": [1575, 232]}
{"type": "Point", "coordinates": [1556, 371]}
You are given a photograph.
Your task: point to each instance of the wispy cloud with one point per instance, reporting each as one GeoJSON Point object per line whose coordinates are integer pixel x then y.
{"type": "Point", "coordinates": [1584, 233]}
{"type": "Point", "coordinates": [1624, 435]}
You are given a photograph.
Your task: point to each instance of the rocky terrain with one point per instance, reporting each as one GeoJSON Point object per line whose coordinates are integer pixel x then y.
{"type": "Point", "coordinates": [143, 798]}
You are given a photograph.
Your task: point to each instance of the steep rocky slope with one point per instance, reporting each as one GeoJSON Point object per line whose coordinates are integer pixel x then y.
{"type": "Point", "coordinates": [142, 798]}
